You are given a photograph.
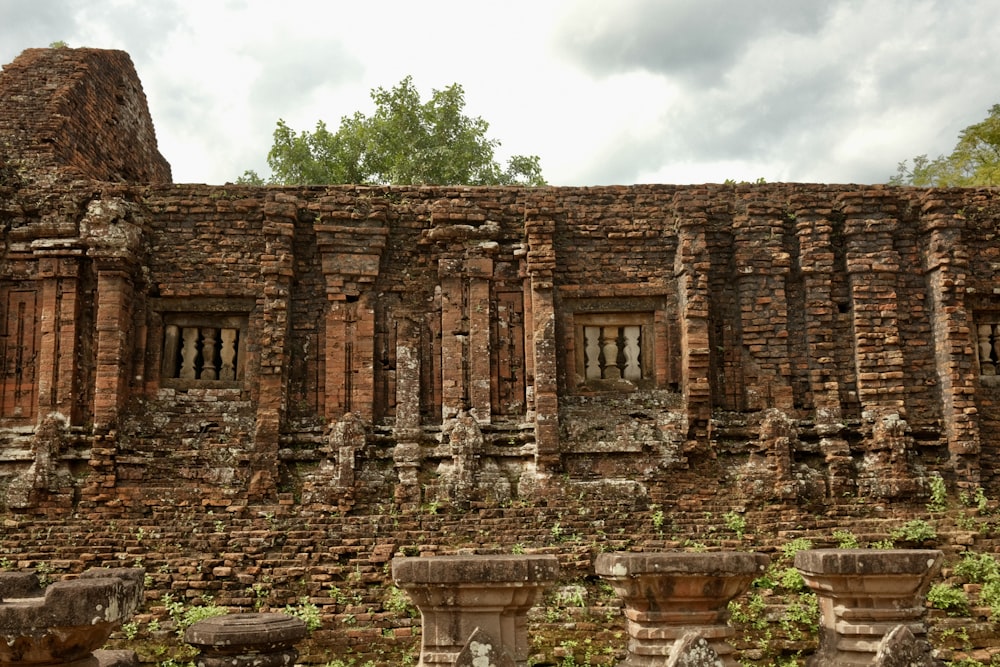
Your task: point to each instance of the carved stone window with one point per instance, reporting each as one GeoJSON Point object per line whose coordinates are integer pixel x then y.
{"type": "Point", "coordinates": [988, 346]}
{"type": "Point", "coordinates": [203, 350]}
{"type": "Point", "coordinates": [614, 350]}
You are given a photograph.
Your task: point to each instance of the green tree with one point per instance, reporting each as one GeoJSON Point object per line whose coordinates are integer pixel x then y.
{"type": "Point", "coordinates": [405, 142]}
{"type": "Point", "coordinates": [974, 161]}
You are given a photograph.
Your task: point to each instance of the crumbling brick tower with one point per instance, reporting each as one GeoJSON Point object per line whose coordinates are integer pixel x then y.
{"type": "Point", "coordinates": [210, 346]}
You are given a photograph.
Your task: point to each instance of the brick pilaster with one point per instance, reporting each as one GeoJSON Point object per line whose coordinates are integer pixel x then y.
{"type": "Point", "coordinates": [873, 266]}
{"type": "Point", "coordinates": [114, 304]}
{"type": "Point", "coordinates": [58, 345]}
{"type": "Point", "coordinates": [762, 267]}
{"type": "Point", "coordinates": [480, 273]}
{"type": "Point", "coordinates": [825, 329]}
{"type": "Point", "coordinates": [114, 244]}
{"type": "Point", "coordinates": [947, 270]}
{"type": "Point", "coordinates": [873, 269]}
{"type": "Point", "coordinates": [272, 390]}
{"type": "Point", "coordinates": [407, 429]}
{"type": "Point", "coordinates": [454, 338]}
{"type": "Point", "coordinates": [691, 271]}
{"type": "Point", "coordinates": [541, 262]}
{"type": "Point", "coordinates": [351, 241]}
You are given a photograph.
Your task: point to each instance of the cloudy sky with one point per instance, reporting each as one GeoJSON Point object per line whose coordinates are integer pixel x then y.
{"type": "Point", "coordinates": [605, 92]}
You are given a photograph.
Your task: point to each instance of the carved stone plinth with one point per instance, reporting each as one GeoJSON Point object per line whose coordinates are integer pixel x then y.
{"type": "Point", "coordinates": [863, 595]}
{"type": "Point", "coordinates": [247, 640]}
{"type": "Point", "coordinates": [458, 594]}
{"type": "Point", "coordinates": [64, 623]}
{"type": "Point", "coordinates": [668, 595]}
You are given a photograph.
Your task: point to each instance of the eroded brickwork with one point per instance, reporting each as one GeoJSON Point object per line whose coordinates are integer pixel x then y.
{"type": "Point", "coordinates": [77, 113]}
{"type": "Point", "coordinates": [186, 359]}
{"type": "Point", "coordinates": [599, 331]}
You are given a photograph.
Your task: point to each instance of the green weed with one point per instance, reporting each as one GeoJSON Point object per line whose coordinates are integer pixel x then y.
{"type": "Point", "coordinates": [949, 599]}
{"type": "Point", "coordinates": [938, 501]}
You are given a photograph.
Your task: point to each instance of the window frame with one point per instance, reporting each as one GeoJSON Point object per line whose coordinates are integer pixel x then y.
{"type": "Point", "coordinates": [202, 313]}
{"type": "Point", "coordinates": [647, 349]}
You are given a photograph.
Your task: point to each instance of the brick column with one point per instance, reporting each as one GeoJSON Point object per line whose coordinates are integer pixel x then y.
{"type": "Point", "coordinates": [350, 353]}
{"type": "Point", "coordinates": [351, 240]}
{"type": "Point", "coordinates": [947, 272]}
{"type": "Point", "coordinates": [872, 266]}
{"type": "Point", "coordinates": [480, 275]}
{"type": "Point", "coordinates": [541, 262]}
{"type": "Point", "coordinates": [41, 334]}
{"type": "Point", "coordinates": [691, 269]}
{"type": "Point", "coordinates": [407, 429]}
{"type": "Point", "coordinates": [114, 244]}
{"type": "Point", "coordinates": [454, 339]}
{"type": "Point", "coordinates": [873, 269]}
{"type": "Point", "coordinates": [276, 273]}
{"type": "Point", "coordinates": [19, 353]}
{"type": "Point", "coordinates": [825, 326]}
{"type": "Point", "coordinates": [114, 314]}
{"type": "Point", "coordinates": [762, 266]}
{"type": "Point", "coordinates": [57, 352]}
{"type": "Point", "coordinates": [465, 336]}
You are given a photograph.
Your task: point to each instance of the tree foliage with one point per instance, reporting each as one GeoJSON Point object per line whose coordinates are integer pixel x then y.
{"type": "Point", "coordinates": [974, 161]}
{"type": "Point", "coordinates": [404, 142]}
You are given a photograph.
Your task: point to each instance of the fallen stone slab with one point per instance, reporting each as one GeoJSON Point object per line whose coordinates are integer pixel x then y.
{"type": "Point", "coordinates": [64, 623]}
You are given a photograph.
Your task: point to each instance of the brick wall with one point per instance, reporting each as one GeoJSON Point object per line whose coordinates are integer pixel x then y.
{"type": "Point", "coordinates": [847, 310]}
{"type": "Point", "coordinates": [284, 387]}
{"type": "Point", "coordinates": [79, 112]}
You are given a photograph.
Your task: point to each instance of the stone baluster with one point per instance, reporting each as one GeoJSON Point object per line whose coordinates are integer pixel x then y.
{"type": "Point", "coordinates": [864, 595]}
{"type": "Point", "coordinates": [668, 596]}
{"type": "Point", "coordinates": [609, 342]}
{"type": "Point", "coordinates": [633, 367]}
{"type": "Point", "coordinates": [994, 351]}
{"type": "Point", "coordinates": [592, 352]}
{"type": "Point", "coordinates": [457, 595]}
{"type": "Point", "coordinates": [171, 344]}
{"type": "Point", "coordinates": [189, 353]}
{"type": "Point", "coordinates": [228, 355]}
{"type": "Point", "coordinates": [208, 345]}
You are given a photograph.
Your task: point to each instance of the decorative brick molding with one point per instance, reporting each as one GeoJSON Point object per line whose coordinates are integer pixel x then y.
{"type": "Point", "coordinates": [815, 340]}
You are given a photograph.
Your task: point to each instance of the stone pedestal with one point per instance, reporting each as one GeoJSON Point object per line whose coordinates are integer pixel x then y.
{"type": "Point", "coordinates": [458, 594]}
{"type": "Point", "coordinates": [64, 623]}
{"type": "Point", "coordinates": [864, 595]}
{"type": "Point", "coordinates": [669, 595]}
{"type": "Point", "coordinates": [246, 640]}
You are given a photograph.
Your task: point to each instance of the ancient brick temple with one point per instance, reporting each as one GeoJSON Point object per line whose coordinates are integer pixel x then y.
{"type": "Point", "coordinates": [164, 343]}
